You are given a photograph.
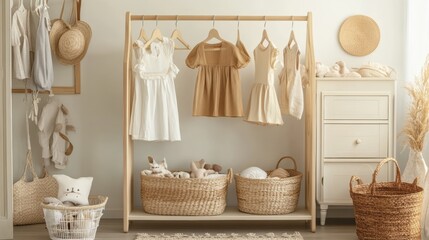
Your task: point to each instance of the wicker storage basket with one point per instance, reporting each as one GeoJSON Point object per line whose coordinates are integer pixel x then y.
{"type": "Point", "coordinates": [80, 222]}
{"type": "Point", "coordinates": [387, 210]}
{"type": "Point", "coordinates": [269, 196]}
{"type": "Point", "coordinates": [185, 197]}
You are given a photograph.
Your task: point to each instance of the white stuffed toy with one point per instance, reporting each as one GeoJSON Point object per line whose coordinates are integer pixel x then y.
{"type": "Point", "coordinates": [181, 175]}
{"type": "Point", "coordinates": [198, 170]}
{"type": "Point", "coordinates": [334, 71]}
{"type": "Point", "coordinates": [157, 169]}
{"type": "Point", "coordinates": [345, 72]}
{"type": "Point", "coordinates": [321, 70]}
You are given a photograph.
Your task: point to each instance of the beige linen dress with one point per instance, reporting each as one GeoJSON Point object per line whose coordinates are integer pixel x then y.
{"type": "Point", "coordinates": [263, 107]}
{"type": "Point", "coordinates": [291, 92]}
{"type": "Point", "coordinates": [218, 85]}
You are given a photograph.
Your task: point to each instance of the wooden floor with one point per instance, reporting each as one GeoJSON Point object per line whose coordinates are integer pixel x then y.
{"type": "Point", "coordinates": [335, 229]}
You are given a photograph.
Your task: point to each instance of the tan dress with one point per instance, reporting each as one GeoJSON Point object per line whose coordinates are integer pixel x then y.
{"type": "Point", "coordinates": [218, 85]}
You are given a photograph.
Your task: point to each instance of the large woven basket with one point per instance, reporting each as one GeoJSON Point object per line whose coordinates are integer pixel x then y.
{"type": "Point", "coordinates": [185, 197]}
{"type": "Point", "coordinates": [387, 210]}
{"type": "Point", "coordinates": [269, 196]}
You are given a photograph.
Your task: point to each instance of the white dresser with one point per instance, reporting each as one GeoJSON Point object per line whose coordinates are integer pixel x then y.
{"type": "Point", "coordinates": [355, 124]}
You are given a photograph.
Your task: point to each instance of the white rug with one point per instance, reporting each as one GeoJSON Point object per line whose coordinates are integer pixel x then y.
{"type": "Point", "coordinates": [182, 236]}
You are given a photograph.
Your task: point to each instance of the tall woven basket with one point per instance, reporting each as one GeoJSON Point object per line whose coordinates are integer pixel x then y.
{"type": "Point", "coordinates": [387, 210]}
{"type": "Point", "coordinates": [269, 196]}
{"type": "Point", "coordinates": [185, 197]}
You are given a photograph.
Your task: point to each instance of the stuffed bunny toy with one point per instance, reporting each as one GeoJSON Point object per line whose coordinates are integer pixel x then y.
{"type": "Point", "coordinates": [198, 170]}
{"type": "Point", "coordinates": [157, 169]}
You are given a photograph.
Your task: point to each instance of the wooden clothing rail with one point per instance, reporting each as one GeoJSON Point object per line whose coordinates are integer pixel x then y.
{"type": "Point", "coordinates": [308, 213]}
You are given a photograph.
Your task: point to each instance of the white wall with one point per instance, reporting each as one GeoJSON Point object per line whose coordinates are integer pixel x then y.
{"type": "Point", "coordinates": [97, 111]}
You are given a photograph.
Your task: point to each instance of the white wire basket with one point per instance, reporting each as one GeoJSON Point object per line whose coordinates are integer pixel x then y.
{"type": "Point", "coordinates": [76, 223]}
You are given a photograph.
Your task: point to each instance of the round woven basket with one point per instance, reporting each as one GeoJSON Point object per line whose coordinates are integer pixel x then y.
{"type": "Point", "coordinates": [359, 35]}
{"type": "Point", "coordinates": [387, 210]}
{"type": "Point", "coordinates": [79, 222]}
{"type": "Point", "coordinates": [270, 196]}
{"type": "Point", "coordinates": [185, 197]}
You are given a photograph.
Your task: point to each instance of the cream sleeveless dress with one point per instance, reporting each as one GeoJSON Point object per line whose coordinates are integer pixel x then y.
{"type": "Point", "coordinates": [263, 107]}
{"type": "Point", "coordinates": [154, 115]}
{"type": "Point", "coordinates": [291, 92]}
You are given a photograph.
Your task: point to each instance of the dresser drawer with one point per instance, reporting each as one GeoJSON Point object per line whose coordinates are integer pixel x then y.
{"type": "Point", "coordinates": [355, 107]}
{"type": "Point", "coordinates": [336, 179]}
{"type": "Point", "coordinates": [355, 140]}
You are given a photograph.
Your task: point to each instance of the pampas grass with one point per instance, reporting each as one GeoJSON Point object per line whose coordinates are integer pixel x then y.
{"type": "Point", "coordinates": [418, 116]}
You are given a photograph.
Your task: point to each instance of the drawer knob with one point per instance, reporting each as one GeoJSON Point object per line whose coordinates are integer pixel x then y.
{"type": "Point", "coordinates": [358, 141]}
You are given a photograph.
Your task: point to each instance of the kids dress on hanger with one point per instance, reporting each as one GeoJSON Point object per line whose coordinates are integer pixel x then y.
{"type": "Point", "coordinates": [154, 115]}
{"type": "Point", "coordinates": [43, 70]}
{"type": "Point", "coordinates": [263, 107]}
{"type": "Point", "coordinates": [291, 93]}
{"type": "Point", "coordinates": [218, 85]}
{"type": "Point", "coordinates": [20, 41]}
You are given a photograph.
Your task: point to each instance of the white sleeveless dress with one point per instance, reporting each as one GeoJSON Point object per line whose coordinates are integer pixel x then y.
{"type": "Point", "coordinates": [154, 115]}
{"type": "Point", "coordinates": [263, 107]}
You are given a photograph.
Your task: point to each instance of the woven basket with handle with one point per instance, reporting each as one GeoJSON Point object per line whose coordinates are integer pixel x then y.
{"type": "Point", "coordinates": [387, 210]}
{"type": "Point", "coordinates": [185, 197]}
{"type": "Point", "coordinates": [270, 196]}
{"type": "Point", "coordinates": [29, 193]}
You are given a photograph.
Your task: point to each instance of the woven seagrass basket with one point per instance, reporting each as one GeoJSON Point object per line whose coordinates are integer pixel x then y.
{"type": "Point", "coordinates": [269, 196]}
{"type": "Point", "coordinates": [387, 210]}
{"type": "Point", "coordinates": [185, 197]}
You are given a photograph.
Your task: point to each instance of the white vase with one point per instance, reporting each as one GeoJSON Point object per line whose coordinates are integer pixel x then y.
{"type": "Point", "coordinates": [425, 210]}
{"type": "Point", "coordinates": [415, 168]}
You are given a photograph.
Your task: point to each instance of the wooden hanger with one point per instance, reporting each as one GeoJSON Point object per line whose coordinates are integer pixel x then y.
{"type": "Point", "coordinates": [142, 36]}
{"type": "Point", "coordinates": [178, 35]}
{"type": "Point", "coordinates": [156, 35]}
{"type": "Point", "coordinates": [213, 33]}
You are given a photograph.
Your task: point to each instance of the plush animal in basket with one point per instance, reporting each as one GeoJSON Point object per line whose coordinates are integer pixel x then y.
{"type": "Point", "coordinates": [181, 174]}
{"type": "Point", "coordinates": [215, 167]}
{"type": "Point", "coordinates": [157, 169]}
{"type": "Point", "coordinates": [198, 170]}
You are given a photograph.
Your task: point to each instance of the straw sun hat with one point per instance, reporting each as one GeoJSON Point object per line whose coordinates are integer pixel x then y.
{"type": "Point", "coordinates": [359, 35]}
{"type": "Point", "coordinates": [69, 42]}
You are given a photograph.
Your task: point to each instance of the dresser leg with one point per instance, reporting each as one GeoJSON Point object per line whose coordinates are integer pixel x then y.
{"type": "Point", "coordinates": [323, 212]}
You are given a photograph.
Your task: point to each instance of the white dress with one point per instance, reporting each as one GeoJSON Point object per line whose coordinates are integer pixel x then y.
{"type": "Point", "coordinates": [154, 115]}
{"type": "Point", "coordinates": [20, 41]}
{"type": "Point", "coordinates": [263, 107]}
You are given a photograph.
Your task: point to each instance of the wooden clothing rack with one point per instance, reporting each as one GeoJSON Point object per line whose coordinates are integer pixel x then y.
{"type": "Point", "coordinates": [308, 213]}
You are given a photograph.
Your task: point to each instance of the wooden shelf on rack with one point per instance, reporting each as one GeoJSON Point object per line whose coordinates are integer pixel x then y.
{"type": "Point", "coordinates": [230, 214]}
{"type": "Point", "coordinates": [354, 78]}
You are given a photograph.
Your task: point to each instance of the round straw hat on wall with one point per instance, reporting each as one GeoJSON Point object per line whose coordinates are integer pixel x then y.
{"type": "Point", "coordinates": [359, 35]}
{"type": "Point", "coordinates": [70, 42]}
